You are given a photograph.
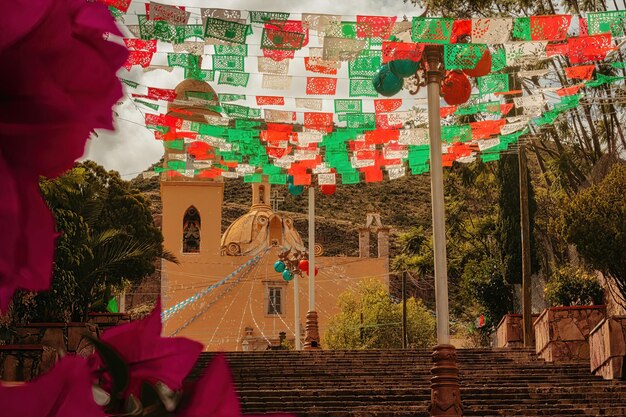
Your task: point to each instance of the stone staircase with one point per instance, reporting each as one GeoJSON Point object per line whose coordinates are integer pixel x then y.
{"type": "Point", "coordinates": [397, 383]}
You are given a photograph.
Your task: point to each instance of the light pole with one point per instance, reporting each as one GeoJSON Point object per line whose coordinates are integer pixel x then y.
{"type": "Point", "coordinates": [312, 337]}
{"type": "Point", "coordinates": [445, 392]}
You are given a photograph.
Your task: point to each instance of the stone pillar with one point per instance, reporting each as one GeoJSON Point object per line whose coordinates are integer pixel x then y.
{"type": "Point", "coordinates": [383, 242]}
{"type": "Point", "coordinates": [312, 338]}
{"type": "Point", "coordinates": [364, 242]}
{"type": "Point", "coordinates": [445, 391]}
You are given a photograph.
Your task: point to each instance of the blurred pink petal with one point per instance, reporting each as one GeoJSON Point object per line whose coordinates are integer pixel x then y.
{"type": "Point", "coordinates": [27, 244]}
{"type": "Point", "coordinates": [151, 357]}
{"type": "Point", "coordinates": [213, 395]}
{"type": "Point", "coordinates": [65, 391]}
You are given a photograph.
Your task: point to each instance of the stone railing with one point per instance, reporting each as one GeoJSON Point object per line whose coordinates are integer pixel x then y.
{"type": "Point", "coordinates": [25, 362]}
{"type": "Point", "coordinates": [510, 331]}
{"type": "Point", "coordinates": [106, 320]}
{"type": "Point", "coordinates": [562, 333]}
{"type": "Point", "coordinates": [607, 345]}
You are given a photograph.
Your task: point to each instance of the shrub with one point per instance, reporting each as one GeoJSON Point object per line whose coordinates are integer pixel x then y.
{"type": "Point", "coordinates": [569, 286]}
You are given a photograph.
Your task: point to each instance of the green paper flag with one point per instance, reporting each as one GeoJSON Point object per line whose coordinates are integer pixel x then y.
{"type": "Point", "coordinates": [237, 79]}
{"type": "Point", "coordinates": [432, 29]}
{"type": "Point", "coordinates": [462, 55]}
{"type": "Point", "coordinates": [348, 106]}
{"type": "Point", "coordinates": [365, 65]}
{"type": "Point", "coordinates": [350, 178]}
{"type": "Point", "coordinates": [240, 50]}
{"type": "Point", "coordinates": [225, 98]}
{"type": "Point", "coordinates": [521, 29]}
{"type": "Point", "coordinates": [256, 178]}
{"type": "Point", "coordinates": [200, 74]}
{"type": "Point", "coordinates": [494, 83]}
{"type": "Point", "coordinates": [498, 59]}
{"type": "Point", "coordinates": [362, 88]}
{"type": "Point", "coordinates": [183, 60]}
{"type": "Point", "coordinates": [129, 83]}
{"type": "Point", "coordinates": [268, 17]}
{"type": "Point", "coordinates": [607, 22]}
{"type": "Point", "coordinates": [225, 30]}
{"type": "Point", "coordinates": [228, 63]}
{"type": "Point", "coordinates": [112, 306]}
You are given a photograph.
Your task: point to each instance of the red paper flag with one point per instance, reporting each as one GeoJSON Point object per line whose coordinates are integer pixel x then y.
{"type": "Point", "coordinates": [142, 58]}
{"type": "Point", "coordinates": [583, 72]}
{"type": "Point", "coordinates": [381, 136]}
{"type": "Point", "coordinates": [568, 91]}
{"type": "Point", "coordinates": [319, 121]}
{"type": "Point", "coordinates": [373, 174]}
{"type": "Point", "coordinates": [321, 86]}
{"type": "Point", "coordinates": [270, 100]}
{"type": "Point", "coordinates": [374, 26]}
{"type": "Point", "coordinates": [383, 122]}
{"type": "Point", "coordinates": [460, 29]}
{"type": "Point", "coordinates": [387, 105]}
{"type": "Point", "coordinates": [589, 48]}
{"type": "Point", "coordinates": [447, 111]}
{"type": "Point", "coordinates": [287, 26]}
{"type": "Point", "coordinates": [506, 108]}
{"type": "Point", "coordinates": [402, 50]}
{"type": "Point", "coordinates": [553, 49]}
{"type": "Point", "coordinates": [320, 69]}
{"type": "Point", "coordinates": [549, 28]}
{"type": "Point", "coordinates": [302, 179]}
{"type": "Point", "coordinates": [486, 128]}
{"type": "Point", "coordinates": [121, 5]}
{"type": "Point", "coordinates": [141, 45]}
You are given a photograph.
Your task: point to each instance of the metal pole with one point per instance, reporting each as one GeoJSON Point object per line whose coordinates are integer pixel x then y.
{"type": "Point", "coordinates": [296, 315]}
{"type": "Point", "coordinates": [311, 248]}
{"type": "Point", "coordinates": [434, 73]}
{"type": "Point", "coordinates": [312, 337]}
{"type": "Point", "coordinates": [445, 391]}
{"type": "Point", "coordinates": [529, 335]}
{"type": "Point", "coordinates": [404, 338]}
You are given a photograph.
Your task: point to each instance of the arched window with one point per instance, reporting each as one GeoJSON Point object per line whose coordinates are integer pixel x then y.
{"type": "Point", "coordinates": [191, 231]}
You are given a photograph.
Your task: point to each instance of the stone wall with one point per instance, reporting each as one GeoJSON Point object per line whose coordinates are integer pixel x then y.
{"type": "Point", "coordinates": [510, 331]}
{"type": "Point", "coordinates": [23, 363]}
{"type": "Point", "coordinates": [562, 333]}
{"type": "Point", "coordinates": [607, 345]}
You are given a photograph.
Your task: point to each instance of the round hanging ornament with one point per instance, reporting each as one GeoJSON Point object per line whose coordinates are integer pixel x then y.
{"type": "Point", "coordinates": [295, 189]}
{"type": "Point", "coordinates": [279, 266]}
{"type": "Point", "coordinates": [386, 82]}
{"type": "Point", "coordinates": [303, 265]}
{"type": "Point", "coordinates": [455, 88]}
{"type": "Point", "coordinates": [287, 275]}
{"type": "Point", "coordinates": [404, 67]}
{"type": "Point", "coordinates": [328, 189]}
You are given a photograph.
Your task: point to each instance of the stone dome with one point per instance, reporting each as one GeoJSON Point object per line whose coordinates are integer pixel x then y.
{"type": "Point", "coordinates": [193, 86]}
{"type": "Point", "coordinates": [260, 228]}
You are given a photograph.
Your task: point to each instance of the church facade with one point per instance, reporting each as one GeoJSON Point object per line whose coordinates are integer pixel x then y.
{"type": "Point", "coordinates": [238, 301]}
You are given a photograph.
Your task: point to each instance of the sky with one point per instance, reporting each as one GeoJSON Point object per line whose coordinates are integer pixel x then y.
{"type": "Point", "coordinates": [131, 148]}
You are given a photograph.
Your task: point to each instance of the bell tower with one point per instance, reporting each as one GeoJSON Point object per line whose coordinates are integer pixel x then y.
{"type": "Point", "coordinates": [192, 201]}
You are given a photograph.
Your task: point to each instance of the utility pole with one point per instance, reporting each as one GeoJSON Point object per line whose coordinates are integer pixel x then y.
{"type": "Point", "coordinates": [528, 331]}
{"type": "Point", "coordinates": [404, 338]}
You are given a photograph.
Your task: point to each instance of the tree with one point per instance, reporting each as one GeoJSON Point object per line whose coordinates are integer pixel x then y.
{"type": "Point", "coordinates": [369, 319]}
{"type": "Point", "coordinates": [595, 222]}
{"type": "Point", "coordinates": [107, 240]}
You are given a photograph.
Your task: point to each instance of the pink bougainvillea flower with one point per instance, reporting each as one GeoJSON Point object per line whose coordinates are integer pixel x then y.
{"type": "Point", "coordinates": [149, 356]}
{"type": "Point", "coordinates": [65, 391]}
{"type": "Point", "coordinates": [27, 243]}
{"type": "Point", "coordinates": [213, 394]}
{"type": "Point", "coordinates": [57, 83]}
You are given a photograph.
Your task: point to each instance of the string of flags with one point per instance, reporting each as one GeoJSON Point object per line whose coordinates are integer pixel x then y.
{"type": "Point", "coordinates": [316, 116]}
{"type": "Point", "coordinates": [168, 313]}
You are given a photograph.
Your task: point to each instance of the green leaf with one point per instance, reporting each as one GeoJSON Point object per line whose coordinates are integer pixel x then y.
{"type": "Point", "coordinates": [114, 364]}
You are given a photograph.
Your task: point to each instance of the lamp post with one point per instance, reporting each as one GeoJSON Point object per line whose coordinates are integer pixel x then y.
{"type": "Point", "coordinates": [312, 337]}
{"type": "Point", "coordinates": [445, 392]}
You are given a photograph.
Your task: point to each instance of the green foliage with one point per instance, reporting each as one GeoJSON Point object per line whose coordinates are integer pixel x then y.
{"type": "Point", "coordinates": [369, 319]}
{"type": "Point", "coordinates": [569, 286]}
{"type": "Point", "coordinates": [508, 225]}
{"type": "Point", "coordinates": [107, 240]}
{"type": "Point", "coordinates": [484, 283]}
{"type": "Point", "coordinates": [595, 223]}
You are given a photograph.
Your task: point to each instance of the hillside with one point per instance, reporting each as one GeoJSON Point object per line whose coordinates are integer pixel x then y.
{"type": "Point", "coordinates": [402, 203]}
